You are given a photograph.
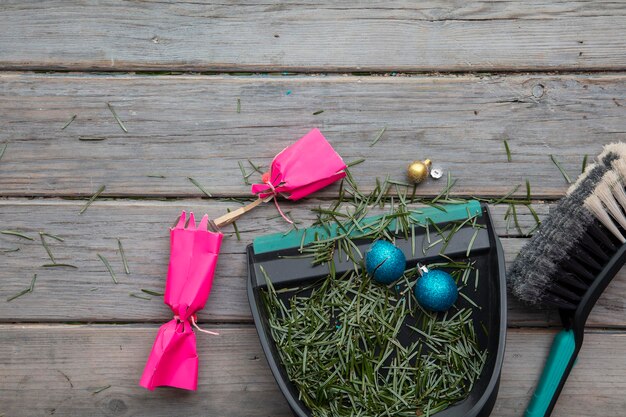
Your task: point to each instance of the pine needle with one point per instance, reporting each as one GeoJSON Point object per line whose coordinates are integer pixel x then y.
{"type": "Point", "coordinates": [123, 255]}
{"type": "Point", "coordinates": [238, 105]}
{"type": "Point", "coordinates": [257, 168]}
{"type": "Point", "coordinates": [584, 163]}
{"type": "Point", "coordinates": [57, 265]}
{"type": "Point", "coordinates": [507, 195]}
{"type": "Point", "coordinates": [69, 122]}
{"type": "Point", "coordinates": [235, 227]}
{"type": "Point", "coordinates": [151, 292]}
{"type": "Point", "coordinates": [567, 178]}
{"type": "Point", "coordinates": [378, 136]}
{"type": "Point", "coordinates": [16, 233]}
{"type": "Point", "coordinates": [24, 291]}
{"type": "Point", "coordinates": [356, 162]}
{"type": "Point", "coordinates": [19, 294]}
{"type": "Point", "coordinates": [46, 247]}
{"type": "Point", "coordinates": [140, 296]}
{"type": "Point", "coordinates": [92, 199]}
{"type": "Point", "coordinates": [91, 138]}
{"type": "Point", "coordinates": [156, 176]}
{"type": "Point", "coordinates": [55, 237]}
{"type": "Point", "coordinates": [318, 112]}
{"type": "Point", "coordinates": [471, 243]}
{"type": "Point", "coordinates": [108, 266]}
{"type": "Point", "coordinates": [244, 174]}
{"type": "Point", "coordinates": [117, 119]}
{"type": "Point", "coordinates": [508, 150]}
{"type": "Point", "coordinates": [99, 390]}
{"type": "Point", "coordinates": [4, 148]}
{"type": "Point", "coordinates": [200, 187]}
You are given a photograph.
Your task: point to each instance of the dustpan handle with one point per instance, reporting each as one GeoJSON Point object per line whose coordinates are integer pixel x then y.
{"type": "Point", "coordinates": [555, 372]}
{"type": "Point", "coordinates": [230, 217]}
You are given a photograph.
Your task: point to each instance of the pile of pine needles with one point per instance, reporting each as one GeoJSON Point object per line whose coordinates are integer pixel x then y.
{"type": "Point", "coordinates": [353, 347]}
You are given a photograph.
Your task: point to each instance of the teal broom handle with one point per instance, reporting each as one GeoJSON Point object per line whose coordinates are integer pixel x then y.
{"type": "Point", "coordinates": [561, 354]}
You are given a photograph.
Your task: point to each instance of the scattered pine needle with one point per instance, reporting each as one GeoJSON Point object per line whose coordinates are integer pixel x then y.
{"type": "Point", "coordinates": [24, 291]}
{"type": "Point", "coordinates": [507, 195]}
{"type": "Point", "coordinates": [584, 163]}
{"type": "Point", "coordinates": [527, 190]}
{"type": "Point", "coordinates": [108, 266]}
{"type": "Point", "coordinates": [19, 294]}
{"type": "Point", "coordinates": [46, 247]}
{"type": "Point", "coordinates": [318, 112]}
{"type": "Point", "coordinates": [378, 136]}
{"type": "Point", "coordinates": [151, 292]}
{"type": "Point", "coordinates": [16, 233]}
{"type": "Point", "coordinates": [69, 122]}
{"type": "Point", "coordinates": [59, 266]}
{"type": "Point", "coordinates": [91, 138]}
{"type": "Point", "coordinates": [123, 255]}
{"type": "Point", "coordinates": [140, 296]}
{"type": "Point", "coordinates": [508, 150]}
{"type": "Point", "coordinates": [356, 162]}
{"type": "Point", "coordinates": [257, 168]}
{"type": "Point", "coordinates": [9, 250]}
{"type": "Point", "coordinates": [55, 237]}
{"type": "Point", "coordinates": [4, 148]}
{"type": "Point", "coordinates": [92, 199]}
{"type": "Point", "coordinates": [200, 187]}
{"type": "Point", "coordinates": [244, 174]}
{"type": "Point", "coordinates": [567, 178]}
{"type": "Point", "coordinates": [155, 176]}
{"type": "Point", "coordinates": [117, 119]}
{"type": "Point", "coordinates": [236, 228]}
{"type": "Point", "coordinates": [238, 105]}
{"type": "Point", "coordinates": [99, 390]}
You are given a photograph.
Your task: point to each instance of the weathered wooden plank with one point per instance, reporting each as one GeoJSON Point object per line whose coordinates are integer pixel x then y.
{"type": "Point", "coordinates": [56, 369]}
{"type": "Point", "coordinates": [188, 126]}
{"type": "Point", "coordinates": [88, 293]}
{"type": "Point", "coordinates": [328, 35]}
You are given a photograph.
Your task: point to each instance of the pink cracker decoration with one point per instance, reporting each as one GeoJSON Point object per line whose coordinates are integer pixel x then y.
{"type": "Point", "coordinates": [173, 360]}
{"type": "Point", "coordinates": [300, 169]}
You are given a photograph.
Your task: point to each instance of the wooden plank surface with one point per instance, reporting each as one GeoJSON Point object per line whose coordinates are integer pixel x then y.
{"type": "Point", "coordinates": [89, 294]}
{"type": "Point", "coordinates": [327, 35]}
{"type": "Point", "coordinates": [188, 126]}
{"type": "Point", "coordinates": [55, 369]}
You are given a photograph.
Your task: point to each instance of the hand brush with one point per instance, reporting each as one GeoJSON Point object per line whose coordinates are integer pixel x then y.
{"type": "Point", "coordinates": [571, 259]}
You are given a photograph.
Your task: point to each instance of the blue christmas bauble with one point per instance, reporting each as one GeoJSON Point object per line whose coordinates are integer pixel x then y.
{"type": "Point", "coordinates": [385, 262]}
{"type": "Point", "coordinates": [436, 290]}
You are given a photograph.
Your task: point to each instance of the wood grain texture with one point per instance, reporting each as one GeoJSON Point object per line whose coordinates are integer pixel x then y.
{"type": "Point", "coordinates": [188, 126]}
{"type": "Point", "coordinates": [55, 369]}
{"type": "Point", "coordinates": [327, 35]}
{"type": "Point", "coordinates": [89, 294]}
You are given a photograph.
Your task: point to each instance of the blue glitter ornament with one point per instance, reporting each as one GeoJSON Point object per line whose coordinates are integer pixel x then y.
{"type": "Point", "coordinates": [435, 290]}
{"type": "Point", "coordinates": [385, 262]}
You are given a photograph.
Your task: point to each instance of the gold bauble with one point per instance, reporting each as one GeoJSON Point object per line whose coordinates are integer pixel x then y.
{"type": "Point", "coordinates": [418, 170]}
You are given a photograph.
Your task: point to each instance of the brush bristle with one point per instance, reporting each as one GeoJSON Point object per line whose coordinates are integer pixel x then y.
{"type": "Point", "coordinates": [574, 243]}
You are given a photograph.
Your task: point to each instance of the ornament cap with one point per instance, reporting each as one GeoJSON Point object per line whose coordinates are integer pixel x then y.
{"type": "Point", "coordinates": [422, 269]}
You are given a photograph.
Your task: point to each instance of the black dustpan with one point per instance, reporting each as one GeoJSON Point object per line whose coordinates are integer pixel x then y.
{"type": "Point", "coordinates": [275, 256]}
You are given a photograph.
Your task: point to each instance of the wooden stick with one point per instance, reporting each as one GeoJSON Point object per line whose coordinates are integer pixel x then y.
{"type": "Point", "coordinates": [228, 218]}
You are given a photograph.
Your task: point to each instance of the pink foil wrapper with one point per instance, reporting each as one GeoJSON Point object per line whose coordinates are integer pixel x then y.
{"type": "Point", "coordinates": [173, 360]}
{"type": "Point", "coordinates": [300, 169]}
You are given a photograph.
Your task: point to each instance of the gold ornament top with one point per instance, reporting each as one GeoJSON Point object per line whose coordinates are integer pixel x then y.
{"type": "Point", "coordinates": [418, 170]}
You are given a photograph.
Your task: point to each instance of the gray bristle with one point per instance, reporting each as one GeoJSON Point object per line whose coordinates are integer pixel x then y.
{"type": "Point", "coordinates": [536, 268]}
